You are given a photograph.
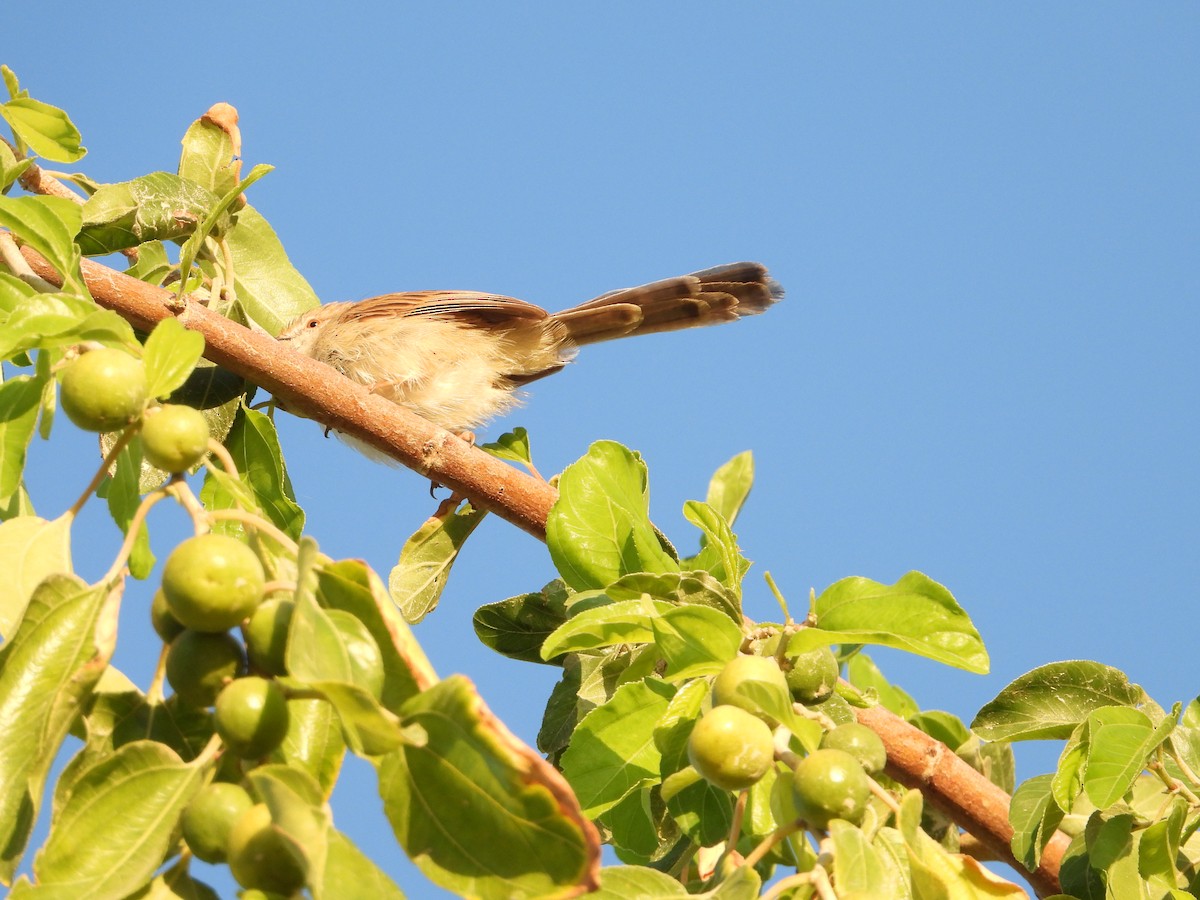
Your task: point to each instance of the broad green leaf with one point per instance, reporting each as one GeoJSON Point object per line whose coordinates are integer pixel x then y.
{"type": "Point", "coordinates": [176, 884]}
{"type": "Point", "coordinates": [314, 742]}
{"type": "Point", "coordinates": [13, 292]}
{"type": "Point", "coordinates": [627, 622]}
{"type": "Point", "coordinates": [862, 672]}
{"type": "Point", "coordinates": [56, 320]}
{"type": "Point", "coordinates": [30, 550]}
{"type": "Point", "coordinates": [856, 863]}
{"type": "Point", "coordinates": [1034, 816]}
{"type": "Point", "coordinates": [47, 130]}
{"type": "Point", "coordinates": [1159, 847]}
{"type": "Point", "coordinates": [720, 556]}
{"type": "Point", "coordinates": [350, 875]}
{"type": "Point", "coordinates": [12, 83]}
{"type": "Point", "coordinates": [916, 614]}
{"type": "Point", "coordinates": [351, 586]}
{"type": "Point", "coordinates": [695, 640]}
{"type": "Point", "coordinates": [599, 528]}
{"type": "Point", "coordinates": [254, 446]}
{"type": "Point", "coordinates": [316, 650]}
{"type": "Point", "coordinates": [368, 728]}
{"type": "Point", "coordinates": [612, 752]}
{"type": "Point", "coordinates": [155, 207]}
{"type": "Point", "coordinates": [171, 353]}
{"type": "Point", "coordinates": [209, 157]}
{"type": "Point", "coordinates": [512, 446]}
{"type": "Point", "coordinates": [1112, 855]}
{"type": "Point", "coordinates": [1067, 781]}
{"type": "Point", "coordinates": [417, 580]}
{"type": "Point", "coordinates": [123, 497]}
{"type": "Point", "coordinates": [943, 726]}
{"type": "Point", "coordinates": [20, 400]}
{"type": "Point", "coordinates": [637, 883]}
{"type": "Point", "coordinates": [682, 588]}
{"type": "Point", "coordinates": [517, 627]}
{"type": "Point", "coordinates": [134, 799]}
{"type": "Point", "coordinates": [730, 486]}
{"type": "Point", "coordinates": [633, 830]}
{"type": "Point", "coordinates": [1048, 702]}
{"type": "Point", "coordinates": [217, 219]}
{"type": "Point", "coordinates": [152, 264]}
{"type": "Point", "coordinates": [268, 286]}
{"type": "Point", "coordinates": [11, 168]}
{"type": "Point", "coordinates": [538, 843]}
{"type": "Point", "coordinates": [1120, 744]}
{"type": "Point", "coordinates": [47, 669]}
{"type": "Point", "coordinates": [49, 226]}
{"type": "Point", "coordinates": [299, 814]}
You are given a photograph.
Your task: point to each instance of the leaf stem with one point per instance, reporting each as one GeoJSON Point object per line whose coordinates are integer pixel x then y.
{"type": "Point", "coordinates": [217, 449]}
{"type": "Point", "coordinates": [109, 458]}
{"type": "Point", "coordinates": [131, 533]}
{"type": "Point", "coordinates": [776, 836]}
{"type": "Point", "coordinates": [255, 521]}
{"type": "Point", "coordinates": [735, 828]}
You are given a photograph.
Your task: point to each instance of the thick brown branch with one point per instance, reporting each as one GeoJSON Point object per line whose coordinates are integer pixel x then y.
{"type": "Point", "coordinates": [320, 392]}
{"type": "Point", "coordinates": [975, 804]}
{"type": "Point", "coordinates": [914, 758]}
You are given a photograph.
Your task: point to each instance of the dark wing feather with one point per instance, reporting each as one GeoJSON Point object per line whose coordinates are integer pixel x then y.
{"type": "Point", "coordinates": [470, 307]}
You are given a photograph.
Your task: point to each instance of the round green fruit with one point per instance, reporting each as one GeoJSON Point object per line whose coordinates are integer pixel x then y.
{"type": "Point", "coordinates": [174, 438]}
{"type": "Point", "coordinates": [742, 669]}
{"type": "Point", "coordinates": [261, 857]}
{"type": "Point", "coordinates": [252, 716]}
{"type": "Point", "coordinates": [830, 784]}
{"type": "Point", "coordinates": [860, 742]}
{"type": "Point", "coordinates": [208, 820]}
{"type": "Point", "coordinates": [165, 624]}
{"type": "Point", "coordinates": [266, 635]}
{"type": "Point", "coordinates": [104, 390]}
{"type": "Point", "coordinates": [199, 663]}
{"type": "Point", "coordinates": [731, 748]}
{"type": "Point", "coordinates": [212, 582]}
{"type": "Point", "coordinates": [365, 659]}
{"type": "Point", "coordinates": [813, 676]}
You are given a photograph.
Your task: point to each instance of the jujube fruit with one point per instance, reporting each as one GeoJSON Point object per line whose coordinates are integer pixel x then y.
{"type": "Point", "coordinates": [266, 635]}
{"type": "Point", "coordinates": [103, 390]}
{"type": "Point", "coordinates": [251, 716]}
{"type": "Point", "coordinates": [199, 663]}
{"type": "Point", "coordinates": [830, 784]}
{"type": "Point", "coordinates": [860, 742]}
{"type": "Point", "coordinates": [212, 582]}
{"type": "Point", "coordinates": [731, 748]}
{"type": "Point", "coordinates": [742, 669]}
{"type": "Point", "coordinates": [813, 675]}
{"type": "Point", "coordinates": [174, 438]}
{"type": "Point", "coordinates": [165, 624]}
{"type": "Point", "coordinates": [209, 818]}
{"type": "Point", "coordinates": [262, 857]}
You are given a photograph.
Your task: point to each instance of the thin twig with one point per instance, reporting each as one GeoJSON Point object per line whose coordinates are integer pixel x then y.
{"type": "Point", "coordinates": [217, 449]}
{"type": "Point", "coordinates": [131, 533]}
{"type": "Point", "coordinates": [109, 458]}
{"type": "Point", "coordinates": [10, 254]}
{"type": "Point", "coordinates": [257, 522]}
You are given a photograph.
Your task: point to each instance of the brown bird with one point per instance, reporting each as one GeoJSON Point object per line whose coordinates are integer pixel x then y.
{"type": "Point", "coordinates": [457, 357]}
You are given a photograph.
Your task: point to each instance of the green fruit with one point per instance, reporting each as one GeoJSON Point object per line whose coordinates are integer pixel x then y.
{"type": "Point", "coordinates": [262, 857]}
{"type": "Point", "coordinates": [365, 659]}
{"type": "Point", "coordinates": [209, 818]}
{"type": "Point", "coordinates": [266, 635]}
{"type": "Point", "coordinates": [174, 438]}
{"type": "Point", "coordinates": [742, 669]}
{"type": "Point", "coordinates": [166, 625]}
{"type": "Point", "coordinates": [830, 784]}
{"type": "Point", "coordinates": [252, 716]}
{"type": "Point", "coordinates": [813, 676]}
{"type": "Point", "coordinates": [212, 582]}
{"type": "Point", "coordinates": [199, 663]}
{"type": "Point", "coordinates": [860, 742]}
{"type": "Point", "coordinates": [731, 748]}
{"type": "Point", "coordinates": [104, 390]}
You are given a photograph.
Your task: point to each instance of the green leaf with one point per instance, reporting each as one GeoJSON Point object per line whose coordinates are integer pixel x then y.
{"type": "Point", "coordinates": [30, 550]}
{"type": "Point", "coordinates": [10, 167]}
{"type": "Point", "coordinates": [517, 627]}
{"type": "Point", "coordinates": [209, 157]}
{"type": "Point", "coordinates": [1048, 702]}
{"type": "Point", "coordinates": [14, 292]}
{"type": "Point", "coordinates": [538, 844]}
{"type": "Point", "coordinates": [1067, 781]}
{"type": "Point", "coordinates": [1034, 817]}
{"type": "Point", "coordinates": [298, 814]}
{"type": "Point", "coordinates": [856, 863]}
{"type": "Point", "coordinates": [47, 670]}
{"type": "Point", "coordinates": [368, 728]}
{"type": "Point", "coordinates": [637, 883]}
{"type": "Point", "coordinates": [695, 641]}
{"type": "Point", "coordinates": [20, 400]}
{"type": "Point", "coordinates": [171, 353]}
{"type": "Point", "coordinates": [134, 799]}
{"type": "Point", "coordinates": [512, 446]}
{"type": "Point", "coordinates": [627, 622]}
{"type": "Point", "coordinates": [123, 497]}
{"type": "Point", "coordinates": [916, 614]}
{"type": "Point", "coordinates": [1121, 742]}
{"type": "Point", "coordinates": [680, 588]}
{"type": "Point", "coordinates": [216, 220]}
{"type": "Point", "coordinates": [55, 320]}
{"type": "Point", "coordinates": [176, 884]}
{"type": "Point", "coordinates": [599, 528]}
{"type": "Point", "coordinates": [12, 83]}
{"type": "Point", "coordinates": [862, 672]}
{"type": "Point", "coordinates": [1158, 849]}
{"type": "Point", "coordinates": [254, 446]}
{"type": "Point", "coordinates": [314, 742]}
{"type": "Point", "coordinates": [155, 207]}
{"type": "Point", "coordinates": [720, 555]}
{"type": "Point", "coordinates": [49, 226]}
{"type": "Point", "coordinates": [730, 486]}
{"type": "Point", "coordinates": [417, 580]}
{"type": "Point", "coordinates": [152, 264]}
{"type": "Point", "coordinates": [268, 286]}
{"type": "Point", "coordinates": [612, 752]}
{"type": "Point", "coordinates": [47, 130]}
{"type": "Point", "coordinates": [350, 875]}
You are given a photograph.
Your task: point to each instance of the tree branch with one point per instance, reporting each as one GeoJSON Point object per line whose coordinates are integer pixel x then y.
{"type": "Point", "coordinates": [914, 758]}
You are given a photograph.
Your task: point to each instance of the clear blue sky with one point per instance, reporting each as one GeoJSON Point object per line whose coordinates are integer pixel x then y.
{"type": "Point", "coordinates": [986, 217]}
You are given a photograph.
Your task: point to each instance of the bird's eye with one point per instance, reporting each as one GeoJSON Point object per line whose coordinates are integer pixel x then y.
{"type": "Point", "coordinates": [312, 323]}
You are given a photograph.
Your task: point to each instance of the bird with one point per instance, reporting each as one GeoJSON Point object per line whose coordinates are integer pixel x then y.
{"type": "Point", "coordinates": [460, 358]}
